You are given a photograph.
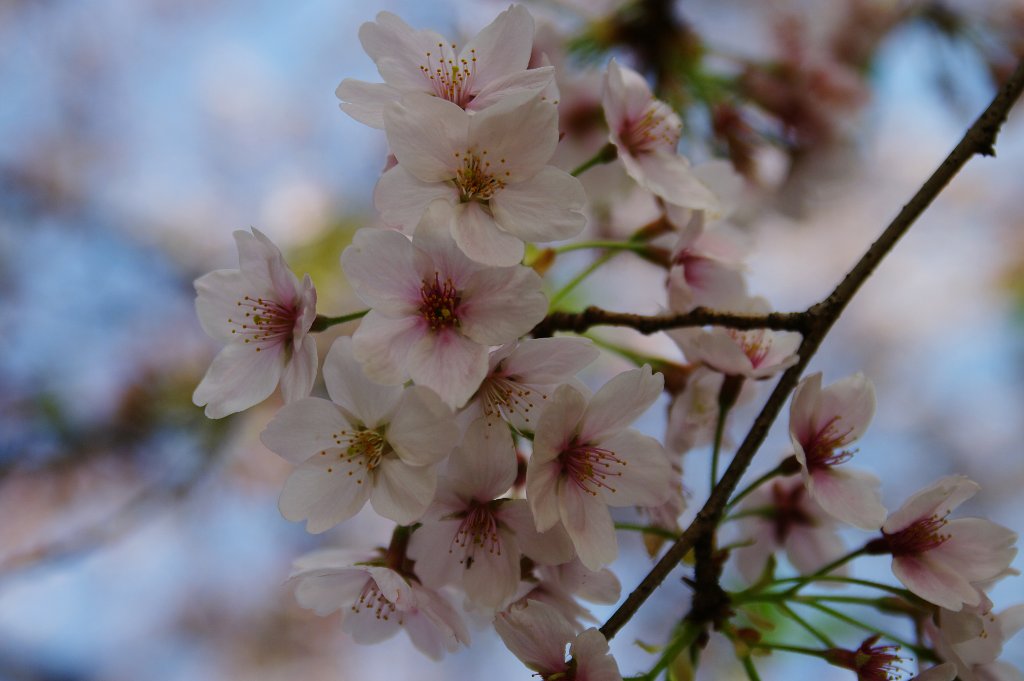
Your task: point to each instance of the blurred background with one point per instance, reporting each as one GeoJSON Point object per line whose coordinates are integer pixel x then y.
{"type": "Point", "coordinates": [140, 540]}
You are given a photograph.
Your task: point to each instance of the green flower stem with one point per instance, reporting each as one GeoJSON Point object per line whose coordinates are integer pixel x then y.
{"type": "Point", "coordinates": [785, 467]}
{"type": "Point", "coordinates": [635, 246]}
{"type": "Point", "coordinates": [626, 353]}
{"type": "Point", "coordinates": [802, 581]}
{"type": "Point", "coordinates": [322, 323]}
{"type": "Point", "coordinates": [789, 649]}
{"type": "Point", "coordinates": [683, 640]}
{"type": "Point", "coordinates": [866, 627]}
{"type": "Point", "coordinates": [605, 154]}
{"type": "Point", "coordinates": [727, 394]}
{"type": "Point", "coordinates": [647, 529]}
{"type": "Point", "coordinates": [807, 626]}
{"type": "Point", "coordinates": [749, 668]}
{"type": "Point", "coordinates": [578, 279]}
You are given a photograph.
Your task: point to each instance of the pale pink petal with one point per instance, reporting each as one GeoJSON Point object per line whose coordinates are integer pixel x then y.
{"type": "Point", "coordinates": [978, 549]}
{"type": "Point", "coordinates": [851, 496]}
{"type": "Point", "coordinates": [366, 102]}
{"type": "Point", "coordinates": [620, 402]}
{"type": "Point", "coordinates": [589, 525]}
{"type": "Point", "coordinates": [433, 547]}
{"type": "Point", "coordinates": [626, 96]}
{"type": "Point", "coordinates": [552, 547]}
{"type": "Point", "coordinates": [938, 499]}
{"type": "Point", "coordinates": [851, 401]}
{"type": "Point", "coordinates": [491, 579]}
{"type": "Point", "coordinates": [501, 304]}
{"type": "Point", "coordinates": [484, 466]}
{"type": "Point", "coordinates": [537, 635]}
{"type": "Point", "coordinates": [438, 627]}
{"type": "Point", "coordinates": [403, 492]}
{"type": "Point", "coordinates": [933, 581]}
{"type": "Point", "coordinates": [482, 239]}
{"type": "Point", "coordinates": [300, 371]}
{"type": "Point", "coordinates": [369, 402]}
{"type": "Point", "coordinates": [425, 134]}
{"type": "Point", "coordinates": [669, 176]}
{"type": "Point", "coordinates": [321, 491]}
{"type": "Point", "coordinates": [402, 199]}
{"type": "Point", "coordinates": [399, 50]}
{"type": "Point", "coordinates": [549, 361]}
{"type": "Point", "coordinates": [942, 672]}
{"type": "Point", "coordinates": [423, 430]}
{"type": "Point", "coordinates": [812, 548]}
{"type": "Point", "coordinates": [383, 345]}
{"type": "Point", "coordinates": [324, 591]}
{"type": "Point", "coordinates": [366, 627]}
{"type": "Point", "coordinates": [381, 266]}
{"type": "Point", "coordinates": [503, 47]}
{"type": "Point", "coordinates": [542, 490]}
{"type": "Point", "coordinates": [217, 296]}
{"type": "Point", "coordinates": [438, 253]}
{"type": "Point", "coordinates": [802, 407]}
{"type": "Point", "coordinates": [521, 85]}
{"type": "Point", "coordinates": [714, 348]}
{"type": "Point", "coordinates": [594, 662]}
{"type": "Point", "coordinates": [450, 364]}
{"type": "Point", "coordinates": [263, 265]}
{"type": "Point", "coordinates": [518, 137]}
{"type": "Point", "coordinates": [304, 428]}
{"type": "Point", "coordinates": [705, 282]}
{"type": "Point", "coordinates": [557, 424]}
{"type": "Point", "coordinates": [238, 378]}
{"type": "Point", "coordinates": [646, 477]}
{"type": "Point", "coordinates": [545, 207]}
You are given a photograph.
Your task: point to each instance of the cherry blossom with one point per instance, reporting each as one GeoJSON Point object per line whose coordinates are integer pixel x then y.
{"type": "Point", "coordinates": [263, 313]}
{"type": "Point", "coordinates": [646, 131]}
{"type": "Point", "coordinates": [693, 414]}
{"type": "Point", "coordinates": [560, 585]}
{"type": "Point", "coordinates": [822, 421]}
{"type": "Point", "coordinates": [586, 459]}
{"type": "Point", "coordinates": [490, 166]}
{"type": "Point", "coordinates": [490, 67]}
{"type": "Point", "coordinates": [973, 639]}
{"type": "Point", "coordinates": [706, 267]}
{"type": "Point", "coordinates": [870, 662]}
{"type": "Point", "coordinates": [522, 376]}
{"type": "Point", "coordinates": [470, 535]}
{"type": "Point", "coordinates": [537, 634]}
{"type": "Point", "coordinates": [784, 516]}
{"type": "Point", "coordinates": [370, 442]}
{"type": "Point", "coordinates": [435, 312]}
{"type": "Point", "coordinates": [376, 601]}
{"type": "Point", "coordinates": [941, 559]}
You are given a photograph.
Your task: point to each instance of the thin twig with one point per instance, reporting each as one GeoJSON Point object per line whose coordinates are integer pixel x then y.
{"type": "Point", "coordinates": [980, 139]}
{"type": "Point", "coordinates": [578, 322]}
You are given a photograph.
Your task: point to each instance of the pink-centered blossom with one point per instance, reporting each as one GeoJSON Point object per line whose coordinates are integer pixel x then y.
{"type": "Point", "coordinates": [491, 167]}
{"type": "Point", "coordinates": [435, 312]}
{"type": "Point", "coordinates": [263, 312]}
{"type": "Point", "coordinates": [973, 640]}
{"type": "Point", "coordinates": [538, 634]}
{"type": "Point", "coordinates": [489, 68]}
{"type": "Point", "coordinates": [822, 423]}
{"type": "Point", "coordinates": [939, 559]}
{"type": "Point", "coordinates": [585, 458]}
{"type": "Point", "coordinates": [375, 601]}
{"type": "Point", "coordinates": [472, 536]}
{"type": "Point", "coordinates": [369, 442]}
{"type": "Point", "coordinates": [646, 131]}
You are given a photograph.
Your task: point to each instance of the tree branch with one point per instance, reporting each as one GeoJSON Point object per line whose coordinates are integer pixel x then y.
{"type": "Point", "coordinates": [980, 139]}
{"type": "Point", "coordinates": [579, 322]}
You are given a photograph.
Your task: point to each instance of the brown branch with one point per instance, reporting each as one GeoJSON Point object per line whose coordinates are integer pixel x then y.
{"type": "Point", "coordinates": [980, 139]}
{"type": "Point", "coordinates": [578, 322]}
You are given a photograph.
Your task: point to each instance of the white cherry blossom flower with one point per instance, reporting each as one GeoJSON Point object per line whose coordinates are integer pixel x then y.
{"type": "Point", "coordinates": [263, 313]}
{"type": "Point", "coordinates": [490, 67]}
{"type": "Point", "coordinates": [370, 442]}
{"type": "Point", "coordinates": [471, 536]}
{"type": "Point", "coordinates": [585, 459]}
{"type": "Point", "coordinates": [537, 634]}
{"type": "Point", "coordinates": [560, 585]}
{"type": "Point", "coordinates": [939, 559]}
{"type": "Point", "coordinates": [522, 376]}
{"type": "Point", "coordinates": [822, 422]}
{"type": "Point", "coordinates": [375, 601]}
{"type": "Point", "coordinates": [646, 131]}
{"type": "Point", "coordinates": [706, 269]}
{"type": "Point", "coordinates": [973, 640]}
{"type": "Point", "coordinates": [490, 166]}
{"type": "Point", "coordinates": [435, 312]}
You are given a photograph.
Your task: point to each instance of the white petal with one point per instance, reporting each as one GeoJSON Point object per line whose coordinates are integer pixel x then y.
{"type": "Point", "coordinates": [492, 577]}
{"type": "Point", "coordinates": [423, 430]}
{"type": "Point", "coordinates": [646, 477]}
{"type": "Point", "coordinates": [217, 296]}
{"type": "Point", "coordinates": [324, 497]}
{"type": "Point", "coordinates": [626, 95]}
{"type": "Point", "coordinates": [450, 364]}
{"type": "Point", "coordinates": [348, 386]}
{"type": "Point", "coordinates": [521, 84]}
{"type": "Point", "coordinates": [978, 549]}
{"type": "Point", "coordinates": [812, 548]}
{"type": "Point", "coordinates": [366, 102]}
{"type": "Point", "coordinates": [398, 49]}
{"type": "Point", "coordinates": [549, 361]}
{"type": "Point", "coordinates": [589, 525]}
{"type": "Point", "coordinates": [482, 239]}
{"type": "Point", "coordinates": [484, 465]}
{"type": "Point", "coordinates": [383, 345]}
{"type": "Point", "coordinates": [545, 207]}
{"type": "Point", "coordinates": [238, 378]}
{"type": "Point", "coordinates": [438, 558]}
{"type": "Point", "coordinates": [537, 635]}
{"type": "Point", "coordinates": [542, 482]}
{"type": "Point", "coordinates": [403, 492]}
{"type": "Point", "coordinates": [620, 402]}
{"type": "Point", "coordinates": [557, 424]}
{"type": "Point", "coordinates": [501, 304]}
{"type": "Point", "coordinates": [545, 548]}
{"type": "Point", "coordinates": [381, 266]}
{"type": "Point", "coordinates": [595, 663]}
{"type": "Point", "coordinates": [934, 582]}
{"type": "Point", "coordinates": [304, 428]}
{"type": "Point", "coordinates": [939, 498]}
{"type": "Point", "coordinates": [503, 47]}
{"type": "Point", "coordinates": [300, 371]}
{"type": "Point", "coordinates": [402, 199]}
{"type": "Point", "coordinates": [324, 592]}
{"type": "Point", "coordinates": [851, 402]}
{"type": "Point", "coordinates": [851, 496]}
{"type": "Point", "coordinates": [802, 425]}
{"type": "Point", "coordinates": [425, 133]}
{"type": "Point", "coordinates": [519, 137]}
{"type": "Point", "coordinates": [437, 626]}
{"type": "Point", "coordinates": [669, 176]}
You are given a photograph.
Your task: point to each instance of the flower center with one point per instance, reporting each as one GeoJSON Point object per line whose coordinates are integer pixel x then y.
{"type": "Point", "coordinates": [264, 322]}
{"type": "Point", "coordinates": [360, 452]}
{"type": "Point", "coordinates": [503, 396]}
{"type": "Point", "coordinates": [450, 77]}
{"type": "Point", "coordinates": [476, 179]}
{"type": "Point", "coordinates": [923, 535]}
{"type": "Point", "coordinates": [820, 448]}
{"type": "Point", "coordinates": [478, 530]}
{"type": "Point", "coordinates": [658, 128]}
{"type": "Point", "coordinates": [755, 344]}
{"type": "Point", "coordinates": [789, 511]}
{"type": "Point", "coordinates": [370, 598]}
{"type": "Point", "coordinates": [439, 303]}
{"type": "Point", "coordinates": [870, 662]}
{"type": "Point", "coordinates": [590, 467]}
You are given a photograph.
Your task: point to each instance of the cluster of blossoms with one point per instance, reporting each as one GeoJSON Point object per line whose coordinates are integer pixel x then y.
{"type": "Point", "coordinates": [497, 464]}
